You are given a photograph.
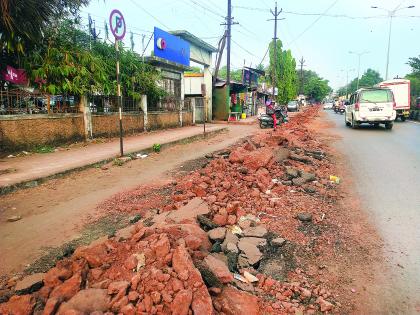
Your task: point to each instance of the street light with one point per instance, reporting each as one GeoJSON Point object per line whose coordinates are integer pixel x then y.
{"type": "Point", "coordinates": [360, 54]}
{"type": "Point", "coordinates": [391, 15]}
{"type": "Point", "coordinates": [347, 82]}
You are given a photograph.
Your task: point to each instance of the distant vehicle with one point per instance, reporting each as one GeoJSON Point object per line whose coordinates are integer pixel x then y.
{"type": "Point", "coordinates": [293, 106]}
{"type": "Point", "coordinates": [401, 90]}
{"type": "Point", "coordinates": [328, 105]}
{"type": "Point", "coordinates": [371, 105]}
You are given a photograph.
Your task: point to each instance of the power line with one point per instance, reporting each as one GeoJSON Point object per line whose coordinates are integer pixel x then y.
{"type": "Point", "coordinates": [262, 60]}
{"type": "Point", "coordinates": [244, 49]}
{"type": "Point", "coordinates": [149, 14]}
{"type": "Point", "coordinates": [314, 22]}
{"type": "Point", "coordinates": [324, 14]}
{"type": "Point", "coordinates": [207, 8]}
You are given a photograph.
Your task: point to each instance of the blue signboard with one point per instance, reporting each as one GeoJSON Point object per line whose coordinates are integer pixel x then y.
{"type": "Point", "coordinates": [170, 47]}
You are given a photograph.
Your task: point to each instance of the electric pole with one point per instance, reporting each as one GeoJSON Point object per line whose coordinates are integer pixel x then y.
{"type": "Point", "coordinates": [276, 18]}
{"type": "Point", "coordinates": [229, 23]}
{"type": "Point", "coordinates": [302, 62]}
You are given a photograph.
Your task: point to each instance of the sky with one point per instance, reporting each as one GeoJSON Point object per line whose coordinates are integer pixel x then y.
{"type": "Point", "coordinates": [323, 40]}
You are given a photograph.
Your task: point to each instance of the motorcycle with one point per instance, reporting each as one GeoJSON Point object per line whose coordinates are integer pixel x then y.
{"type": "Point", "coordinates": [266, 120]}
{"type": "Point", "coordinates": [341, 109]}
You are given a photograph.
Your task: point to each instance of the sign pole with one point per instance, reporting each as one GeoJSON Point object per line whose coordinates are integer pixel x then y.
{"type": "Point", "coordinates": [117, 52]}
{"type": "Point", "coordinates": [205, 114]}
{"type": "Point", "coordinates": [118, 29]}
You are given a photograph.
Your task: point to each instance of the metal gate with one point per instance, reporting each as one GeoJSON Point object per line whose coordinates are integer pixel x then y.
{"type": "Point", "coordinates": [199, 109]}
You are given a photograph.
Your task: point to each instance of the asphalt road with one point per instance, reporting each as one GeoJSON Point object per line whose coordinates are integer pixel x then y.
{"type": "Point", "coordinates": [385, 165]}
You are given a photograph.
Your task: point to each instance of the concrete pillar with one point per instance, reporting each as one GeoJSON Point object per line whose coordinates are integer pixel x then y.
{"type": "Point", "coordinates": [208, 81]}
{"type": "Point", "coordinates": [193, 110]}
{"type": "Point", "coordinates": [181, 105]}
{"type": "Point", "coordinates": [143, 106]}
{"type": "Point", "coordinates": [87, 116]}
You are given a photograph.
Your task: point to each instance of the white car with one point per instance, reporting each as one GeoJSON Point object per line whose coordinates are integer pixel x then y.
{"type": "Point", "coordinates": [328, 105]}
{"type": "Point", "coordinates": [373, 106]}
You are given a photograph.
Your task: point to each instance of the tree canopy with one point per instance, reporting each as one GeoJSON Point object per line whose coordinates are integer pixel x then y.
{"type": "Point", "coordinates": [368, 79]}
{"type": "Point", "coordinates": [414, 77]}
{"type": "Point", "coordinates": [23, 23]}
{"type": "Point", "coordinates": [67, 61]}
{"type": "Point", "coordinates": [285, 72]}
{"type": "Point", "coordinates": [235, 75]}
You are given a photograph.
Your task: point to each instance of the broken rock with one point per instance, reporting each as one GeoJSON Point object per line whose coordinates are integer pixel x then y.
{"type": "Point", "coordinates": [305, 217]}
{"type": "Point", "coordinates": [181, 303]}
{"type": "Point", "coordinates": [235, 302]}
{"type": "Point", "coordinates": [87, 301]}
{"type": "Point", "coordinates": [291, 172]}
{"type": "Point", "coordinates": [218, 268]}
{"type": "Point", "coordinates": [14, 218]}
{"type": "Point", "coordinates": [298, 181]}
{"type": "Point", "coordinates": [30, 283]}
{"type": "Point", "coordinates": [217, 234]}
{"type": "Point", "coordinates": [279, 241]}
{"type": "Point", "coordinates": [18, 304]}
{"type": "Point", "coordinates": [250, 250]}
{"type": "Point", "coordinates": [257, 231]}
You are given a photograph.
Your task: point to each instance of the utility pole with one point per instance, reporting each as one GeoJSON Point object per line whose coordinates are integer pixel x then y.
{"type": "Point", "coordinates": [229, 35]}
{"type": "Point", "coordinates": [229, 23]}
{"type": "Point", "coordinates": [302, 62]}
{"type": "Point", "coordinates": [359, 54]}
{"type": "Point", "coordinates": [276, 18]}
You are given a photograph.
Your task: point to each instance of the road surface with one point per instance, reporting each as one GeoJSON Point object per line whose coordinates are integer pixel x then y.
{"type": "Point", "coordinates": [385, 165]}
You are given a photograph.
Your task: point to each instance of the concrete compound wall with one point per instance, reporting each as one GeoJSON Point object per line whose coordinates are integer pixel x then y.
{"type": "Point", "coordinates": [26, 132]}
{"type": "Point", "coordinates": [109, 125]}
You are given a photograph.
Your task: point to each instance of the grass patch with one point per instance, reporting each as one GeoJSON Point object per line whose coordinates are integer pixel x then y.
{"type": "Point", "coordinates": [44, 149]}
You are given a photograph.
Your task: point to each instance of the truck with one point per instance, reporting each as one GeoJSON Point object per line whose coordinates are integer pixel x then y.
{"type": "Point", "coordinates": [401, 90]}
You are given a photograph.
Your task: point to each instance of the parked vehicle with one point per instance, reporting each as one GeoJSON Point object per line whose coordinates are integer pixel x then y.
{"type": "Point", "coordinates": [371, 105]}
{"type": "Point", "coordinates": [266, 120]}
{"type": "Point", "coordinates": [328, 105]}
{"type": "Point", "coordinates": [401, 91]}
{"type": "Point", "coordinates": [293, 106]}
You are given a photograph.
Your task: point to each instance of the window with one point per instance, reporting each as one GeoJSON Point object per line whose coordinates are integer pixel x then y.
{"type": "Point", "coordinates": [171, 83]}
{"type": "Point", "coordinates": [376, 96]}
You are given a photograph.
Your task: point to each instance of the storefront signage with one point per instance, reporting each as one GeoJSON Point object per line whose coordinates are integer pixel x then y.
{"type": "Point", "coordinates": [15, 76]}
{"type": "Point", "coordinates": [171, 47]}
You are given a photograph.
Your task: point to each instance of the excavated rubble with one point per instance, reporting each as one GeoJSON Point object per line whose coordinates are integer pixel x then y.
{"type": "Point", "coordinates": [225, 245]}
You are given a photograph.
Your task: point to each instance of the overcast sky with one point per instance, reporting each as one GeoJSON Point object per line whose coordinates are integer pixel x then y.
{"type": "Point", "coordinates": [323, 41]}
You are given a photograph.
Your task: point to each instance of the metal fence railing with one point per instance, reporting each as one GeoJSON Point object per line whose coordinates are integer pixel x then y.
{"type": "Point", "coordinates": [169, 105]}
{"type": "Point", "coordinates": [100, 104]}
{"type": "Point", "coordinates": [23, 102]}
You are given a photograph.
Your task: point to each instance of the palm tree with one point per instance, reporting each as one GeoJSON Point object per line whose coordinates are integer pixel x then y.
{"type": "Point", "coordinates": [23, 22]}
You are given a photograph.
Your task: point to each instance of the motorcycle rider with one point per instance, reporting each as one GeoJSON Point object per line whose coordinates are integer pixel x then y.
{"type": "Point", "coordinates": [270, 111]}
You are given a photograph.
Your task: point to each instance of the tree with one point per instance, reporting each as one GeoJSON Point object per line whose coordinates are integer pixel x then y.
{"type": "Point", "coordinates": [368, 79]}
{"type": "Point", "coordinates": [317, 88]}
{"type": "Point", "coordinates": [235, 75]}
{"type": "Point", "coordinates": [66, 62]}
{"type": "Point", "coordinates": [414, 77]}
{"type": "Point", "coordinates": [285, 72]}
{"type": "Point", "coordinates": [23, 23]}
{"type": "Point", "coordinates": [414, 63]}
